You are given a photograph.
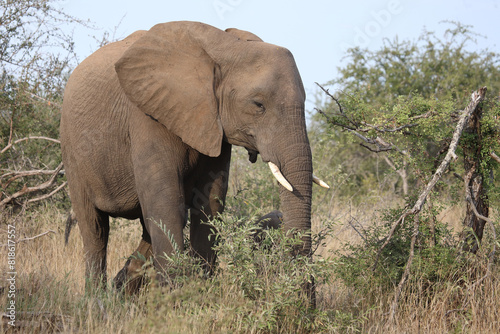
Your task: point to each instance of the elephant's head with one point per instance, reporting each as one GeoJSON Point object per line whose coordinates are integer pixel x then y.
{"type": "Point", "coordinates": [207, 85]}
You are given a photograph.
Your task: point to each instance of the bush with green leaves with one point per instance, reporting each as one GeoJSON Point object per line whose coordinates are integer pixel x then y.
{"type": "Point", "coordinates": [256, 287]}
{"type": "Point", "coordinates": [363, 266]}
{"type": "Point", "coordinates": [252, 188]}
{"type": "Point", "coordinates": [401, 102]}
{"type": "Point", "coordinates": [401, 105]}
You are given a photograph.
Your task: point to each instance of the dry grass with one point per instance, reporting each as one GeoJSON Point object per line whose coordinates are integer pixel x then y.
{"type": "Point", "coordinates": [50, 297]}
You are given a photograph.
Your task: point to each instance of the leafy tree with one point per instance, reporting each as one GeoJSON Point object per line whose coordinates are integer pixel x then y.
{"type": "Point", "coordinates": [402, 99]}
{"type": "Point", "coordinates": [36, 55]}
{"type": "Point", "coordinates": [405, 102]}
{"type": "Point", "coordinates": [433, 67]}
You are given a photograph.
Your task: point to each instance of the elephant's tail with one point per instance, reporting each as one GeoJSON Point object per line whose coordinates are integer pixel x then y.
{"type": "Point", "coordinates": [70, 222]}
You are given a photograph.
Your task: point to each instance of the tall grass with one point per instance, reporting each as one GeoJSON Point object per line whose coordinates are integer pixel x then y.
{"type": "Point", "coordinates": [255, 289]}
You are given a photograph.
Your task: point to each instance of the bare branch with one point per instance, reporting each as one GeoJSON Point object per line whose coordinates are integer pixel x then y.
{"type": "Point", "coordinates": [31, 238]}
{"type": "Point", "coordinates": [36, 236]}
{"type": "Point", "coordinates": [27, 190]}
{"type": "Point", "coordinates": [45, 196]}
{"type": "Point", "coordinates": [17, 175]}
{"type": "Point", "coordinates": [495, 157]}
{"type": "Point", "coordinates": [341, 110]}
{"type": "Point", "coordinates": [476, 98]}
{"type": "Point", "coordinates": [355, 128]}
{"type": "Point", "coordinates": [406, 273]}
{"type": "Point", "coordinates": [356, 230]}
{"type": "Point", "coordinates": [390, 163]}
{"type": "Point", "coordinates": [378, 149]}
{"type": "Point", "coordinates": [384, 129]}
{"type": "Point", "coordinates": [39, 98]}
{"type": "Point", "coordinates": [25, 139]}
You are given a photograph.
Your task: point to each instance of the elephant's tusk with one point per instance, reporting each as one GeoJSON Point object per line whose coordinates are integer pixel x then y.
{"type": "Point", "coordinates": [320, 182]}
{"type": "Point", "coordinates": [281, 179]}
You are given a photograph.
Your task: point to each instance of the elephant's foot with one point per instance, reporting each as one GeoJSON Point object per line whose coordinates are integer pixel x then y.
{"type": "Point", "coordinates": [132, 276]}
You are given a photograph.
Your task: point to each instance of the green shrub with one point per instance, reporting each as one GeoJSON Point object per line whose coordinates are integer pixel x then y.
{"type": "Point", "coordinates": [435, 259]}
{"type": "Point", "coordinates": [255, 288]}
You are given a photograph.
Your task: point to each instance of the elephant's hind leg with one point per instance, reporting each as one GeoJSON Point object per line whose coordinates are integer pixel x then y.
{"type": "Point", "coordinates": [132, 276]}
{"type": "Point", "coordinates": [94, 227]}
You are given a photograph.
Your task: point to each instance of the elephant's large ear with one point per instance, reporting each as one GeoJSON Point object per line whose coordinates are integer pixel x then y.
{"type": "Point", "coordinates": [171, 76]}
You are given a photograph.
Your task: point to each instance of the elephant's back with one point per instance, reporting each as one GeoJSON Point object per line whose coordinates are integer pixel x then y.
{"type": "Point", "coordinates": [93, 98]}
{"type": "Point", "coordinates": [95, 77]}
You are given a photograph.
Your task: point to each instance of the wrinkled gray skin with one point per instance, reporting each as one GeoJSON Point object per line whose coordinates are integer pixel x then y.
{"type": "Point", "coordinates": [147, 127]}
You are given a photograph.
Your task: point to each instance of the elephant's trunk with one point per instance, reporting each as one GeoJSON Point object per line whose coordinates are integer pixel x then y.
{"type": "Point", "coordinates": [295, 163]}
{"type": "Point", "coordinates": [296, 205]}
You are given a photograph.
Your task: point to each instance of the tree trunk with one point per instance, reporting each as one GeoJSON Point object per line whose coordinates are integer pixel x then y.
{"type": "Point", "coordinates": [474, 188]}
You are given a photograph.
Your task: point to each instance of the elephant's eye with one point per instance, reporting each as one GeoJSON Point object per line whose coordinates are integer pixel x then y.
{"type": "Point", "coordinates": [261, 107]}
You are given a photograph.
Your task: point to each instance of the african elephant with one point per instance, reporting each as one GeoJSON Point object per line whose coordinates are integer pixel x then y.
{"type": "Point", "coordinates": [147, 127]}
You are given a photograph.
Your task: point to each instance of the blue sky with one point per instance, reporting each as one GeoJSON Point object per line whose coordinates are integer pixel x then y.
{"type": "Point", "coordinates": [316, 31]}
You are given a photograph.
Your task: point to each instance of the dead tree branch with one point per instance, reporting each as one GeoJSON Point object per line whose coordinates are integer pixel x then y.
{"type": "Point", "coordinates": [17, 175]}
{"type": "Point", "coordinates": [45, 196]}
{"type": "Point", "coordinates": [36, 236]}
{"type": "Point", "coordinates": [12, 143]}
{"type": "Point", "coordinates": [31, 238]}
{"type": "Point", "coordinates": [378, 144]}
{"type": "Point", "coordinates": [476, 98]}
{"type": "Point", "coordinates": [12, 176]}
{"type": "Point", "coordinates": [43, 186]}
{"type": "Point", "coordinates": [495, 157]}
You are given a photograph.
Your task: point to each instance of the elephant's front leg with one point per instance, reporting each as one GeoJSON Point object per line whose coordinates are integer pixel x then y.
{"type": "Point", "coordinates": [164, 217]}
{"type": "Point", "coordinates": [207, 201]}
{"type": "Point", "coordinates": [161, 194]}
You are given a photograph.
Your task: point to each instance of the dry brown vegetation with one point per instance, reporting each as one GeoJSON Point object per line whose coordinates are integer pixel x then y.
{"type": "Point", "coordinates": [50, 287]}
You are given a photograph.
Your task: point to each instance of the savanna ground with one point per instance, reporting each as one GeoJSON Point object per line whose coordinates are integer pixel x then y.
{"type": "Point", "coordinates": [255, 289]}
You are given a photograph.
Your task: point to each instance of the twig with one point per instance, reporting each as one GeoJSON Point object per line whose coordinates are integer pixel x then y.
{"type": "Point", "coordinates": [27, 138]}
{"type": "Point", "coordinates": [49, 102]}
{"type": "Point", "coordinates": [355, 128]}
{"type": "Point", "coordinates": [45, 196]}
{"type": "Point", "coordinates": [385, 129]}
{"type": "Point", "coordinates": [36, 236]}
{"type": "Point", "coordinates": [31, 238]}
{"type": "Point", "coordinates": [11, 131]}
{"type": "Point", "coordinates": [406, 273]}
{"type": "Point", "coordinates": [495, 157]}
{"type": "Point", "coordinates": [21, 174]}
{"type": "Point", "coordinates": [27, 190]}
{"type": "Point", "coordinates": [341, 110]}
{"type": "Point", "coordinates": [356, 230]}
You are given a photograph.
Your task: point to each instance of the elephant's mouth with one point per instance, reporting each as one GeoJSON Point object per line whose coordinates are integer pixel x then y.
{"type": "Point", "coordinates": [252, 155]}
